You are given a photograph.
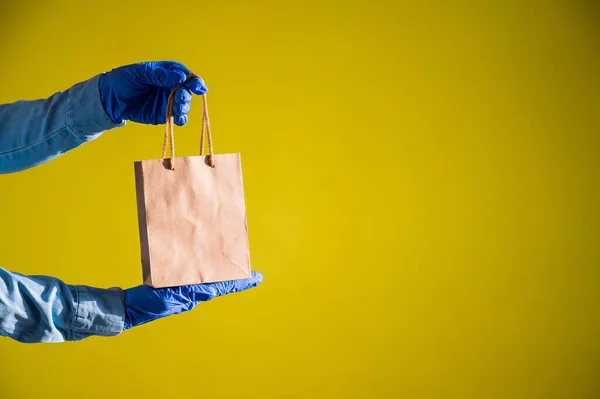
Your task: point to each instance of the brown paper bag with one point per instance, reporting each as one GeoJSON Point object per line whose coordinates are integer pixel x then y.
{"type": "Point", "coordinates": [192, 216]}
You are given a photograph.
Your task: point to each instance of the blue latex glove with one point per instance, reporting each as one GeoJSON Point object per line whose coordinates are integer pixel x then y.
{"type": "Point", "coordinates": [140, 92]}
{"type": "Point", "coordinates": [144, 303]}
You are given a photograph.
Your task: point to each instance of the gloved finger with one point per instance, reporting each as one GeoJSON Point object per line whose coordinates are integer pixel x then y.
{"type": "Point", "coordinates": [197, 86]}
{"type": "Point", "coordinates": [180, 120]}
{"type": "Point", "coordinates": [182, 95]}
{"type": "Point", "coordinates": [174, 66]}
{"type": "Point", "coordinates": [156, 75]}
{"type": "Point", "coordinates": [227, 287]}
{"type": "Point", "coordinates": [181, 109]}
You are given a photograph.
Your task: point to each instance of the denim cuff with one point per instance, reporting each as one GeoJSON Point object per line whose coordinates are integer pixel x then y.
{"type": "Point", "coordinates": [86, 116]}
{"type": "Point", "coordinates": [97, 312]}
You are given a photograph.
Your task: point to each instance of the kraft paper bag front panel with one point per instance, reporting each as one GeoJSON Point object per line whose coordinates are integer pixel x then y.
{"type": "Point", "coordinates": [192, 221]}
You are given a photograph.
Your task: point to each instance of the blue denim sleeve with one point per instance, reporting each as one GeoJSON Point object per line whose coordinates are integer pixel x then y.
{"type": "Point", "coordinates": [44, 309]}
{"type": "Point", "coordinates": [40, 308]}
{"type": "Point", "coordinates": [34, 132]}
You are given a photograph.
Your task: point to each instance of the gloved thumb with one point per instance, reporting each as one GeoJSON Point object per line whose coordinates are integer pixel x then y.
{"type": "Point", "coordinates": [207, 291]}
{"type": "Point", "coordinates": [159, 76]}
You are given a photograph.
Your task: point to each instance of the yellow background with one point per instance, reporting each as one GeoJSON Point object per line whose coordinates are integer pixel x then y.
{"type": "Point", "coordinates": [422, 184]}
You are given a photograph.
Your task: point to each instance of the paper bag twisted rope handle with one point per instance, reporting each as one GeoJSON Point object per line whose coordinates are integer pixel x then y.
{"type": "Point", "coordinates": [170, 131]}
{"type": "Point", "coordinates": [206, 126]}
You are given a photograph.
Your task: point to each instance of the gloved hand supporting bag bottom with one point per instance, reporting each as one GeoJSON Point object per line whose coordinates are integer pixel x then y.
{"type": "Point", "coordinates": [192, 214]}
